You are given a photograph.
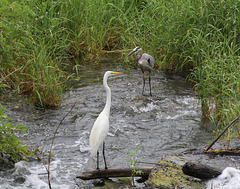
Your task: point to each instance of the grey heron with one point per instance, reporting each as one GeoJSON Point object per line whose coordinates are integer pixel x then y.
{"type": "Point", "coordinates": [145, 63]}
{"type": "Point", "coordinates": [101, 125]}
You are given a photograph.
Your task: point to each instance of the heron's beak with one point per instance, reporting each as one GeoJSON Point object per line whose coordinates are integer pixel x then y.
{"type": "Point", "coordinates": [130, 53]}
{"type": "Point", "coordinates": [117, 73]}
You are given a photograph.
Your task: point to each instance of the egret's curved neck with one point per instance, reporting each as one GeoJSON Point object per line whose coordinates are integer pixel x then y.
{"type": "Point", "coordinates": [108, 100]}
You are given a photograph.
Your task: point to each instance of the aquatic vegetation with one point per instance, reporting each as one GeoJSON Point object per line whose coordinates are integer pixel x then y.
{"type": "Point", "coordinates": [134, 162]}
{"type": "Point", "coordinates": [11, 146]}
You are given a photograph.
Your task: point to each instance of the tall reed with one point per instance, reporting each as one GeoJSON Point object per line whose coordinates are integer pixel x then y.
{"type": "Point", "coordinates": [34, 42]}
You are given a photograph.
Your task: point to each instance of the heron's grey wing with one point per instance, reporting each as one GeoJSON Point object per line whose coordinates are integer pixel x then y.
{"type": "Point", "coordinates": [149, 58]}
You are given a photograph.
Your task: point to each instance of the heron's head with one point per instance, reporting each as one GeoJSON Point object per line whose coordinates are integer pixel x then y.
{"type": "Point", "coordinates": [135, 50]}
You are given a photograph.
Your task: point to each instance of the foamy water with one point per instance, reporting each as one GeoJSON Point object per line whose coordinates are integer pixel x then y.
{"type": "Point", "coordinates": [229, 179]}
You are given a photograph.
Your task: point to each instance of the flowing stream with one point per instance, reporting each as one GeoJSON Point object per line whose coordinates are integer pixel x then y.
{"type": "Point", "coordinates": [167, 123]}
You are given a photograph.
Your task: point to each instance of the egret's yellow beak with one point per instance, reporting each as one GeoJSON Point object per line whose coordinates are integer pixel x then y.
{"type": "Point", "coordinates": [117, 73]}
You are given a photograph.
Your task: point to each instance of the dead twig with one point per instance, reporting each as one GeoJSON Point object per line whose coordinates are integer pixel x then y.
{"type": "Point", "coordinates": [49, 157]}
{"type": "Point", "coordinates": [237, 118]}
{"type": "Point", "coordinates": [4, 78]}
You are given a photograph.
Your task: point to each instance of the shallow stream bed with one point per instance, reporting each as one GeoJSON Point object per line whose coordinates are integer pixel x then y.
{"type": "Point", "coordinates": [169, 122]}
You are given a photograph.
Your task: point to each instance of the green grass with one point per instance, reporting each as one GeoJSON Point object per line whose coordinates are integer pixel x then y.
{"type": "Point", "coordinates": [201, 36]}
{"type": "Point", "coordinates": [33, 45]}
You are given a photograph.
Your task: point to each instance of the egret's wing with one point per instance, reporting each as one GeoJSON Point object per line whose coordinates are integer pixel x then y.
{"type": "Point", "coordinates": [98, 133]}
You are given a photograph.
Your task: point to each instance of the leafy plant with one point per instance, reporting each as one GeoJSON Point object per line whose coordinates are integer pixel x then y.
{"type": "Point", "coordinates": [11, 145]}
{"type": "Point", "coordinates": [134, 162]}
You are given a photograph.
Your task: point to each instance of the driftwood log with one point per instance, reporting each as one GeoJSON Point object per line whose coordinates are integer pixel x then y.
{"type": "Point", "coordinates": [115, 172]}
{"type": "Point", "coordinates": [200, 171]}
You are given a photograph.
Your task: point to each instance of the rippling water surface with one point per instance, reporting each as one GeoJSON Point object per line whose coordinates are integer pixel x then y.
{"type": "Point", "coordinates": [169, 122]}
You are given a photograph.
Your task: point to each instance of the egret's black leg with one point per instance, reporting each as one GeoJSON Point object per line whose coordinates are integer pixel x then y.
{"type": "Point", "coordinates": [97, 160]}
{"type": "Point", "coordinates": [143, 83]}
{"type": "Point", "coordinates": [104, 155]}
{"type": "Point", "coordinates": [150, 83]}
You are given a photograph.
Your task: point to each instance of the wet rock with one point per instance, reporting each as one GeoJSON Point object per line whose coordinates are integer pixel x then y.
{"type": "Point", "coordinates": [98, 182]}
{"type": "Point", "coordinates": [200, 171]}
{"type": "Point", "coordinates": [19, 180]}
{"type": "Point", "coordinates": [5, 163]}
{"type": "Point", "coordinates": [168, 174]}
{"type": "Point", "coordinates": [142, 179]}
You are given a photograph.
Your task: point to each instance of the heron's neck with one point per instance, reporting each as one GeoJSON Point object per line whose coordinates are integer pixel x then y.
{"type": "Point", "coordinates": [108, 100]}
{"type": "Point", "coordinates": [138, 57]}
{"type": "Point", "coordinates": [140, 52]}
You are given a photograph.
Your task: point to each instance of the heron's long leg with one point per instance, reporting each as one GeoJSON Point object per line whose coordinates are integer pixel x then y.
{"type": "Point", "coordinates": [143, 83]}
{"type": "Point", "coordinates": [97, 160]}
{"type": "Point", "coordinates": [150, 83]}
{"type": "Point", "coordinates": [104, 155]}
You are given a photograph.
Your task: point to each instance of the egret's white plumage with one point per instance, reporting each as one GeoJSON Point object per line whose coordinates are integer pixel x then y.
{"type": "Point", "coordinates": [99, 133]}
{"type": "Point", "coordinates": [101, 126]}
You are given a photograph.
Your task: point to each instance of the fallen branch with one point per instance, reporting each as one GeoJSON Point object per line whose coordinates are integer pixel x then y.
{"type": "Point", "coordinates": [237, 118]}
{"type": "Point", "coordinates": [230, 152]}
{"type": "Point", "coordinates": [115, 172]}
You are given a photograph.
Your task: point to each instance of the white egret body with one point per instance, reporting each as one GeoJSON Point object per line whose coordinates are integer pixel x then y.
{"type": "Point", "coordinates": [101, 126]}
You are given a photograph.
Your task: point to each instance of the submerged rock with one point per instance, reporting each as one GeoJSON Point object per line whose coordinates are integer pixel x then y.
{"type": "Point", "coordinates": [5, 163]}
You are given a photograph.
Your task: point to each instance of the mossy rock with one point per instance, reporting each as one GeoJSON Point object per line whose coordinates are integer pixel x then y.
{"type": "Point", "coordinates": [168, 174]}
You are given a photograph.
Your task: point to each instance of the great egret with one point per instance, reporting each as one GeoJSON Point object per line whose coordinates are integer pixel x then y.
{"type": "Point", "coordinates": [145, 63]}
{"type": "Point", "coordinates": [101, 125]}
